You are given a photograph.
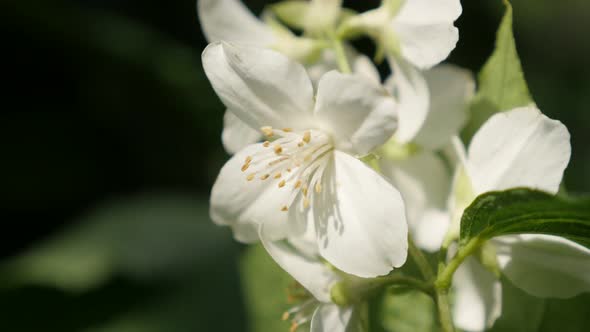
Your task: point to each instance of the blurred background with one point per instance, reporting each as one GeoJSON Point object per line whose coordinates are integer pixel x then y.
{"type": "Point", "coordinates": [110, 142]}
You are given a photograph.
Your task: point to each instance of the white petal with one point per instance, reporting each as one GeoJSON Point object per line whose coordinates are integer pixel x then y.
{"type": "Point", "coordinates": [309, 271]}
{"type": "Point", "coordinates": [431, 229]}
{"type": "Point", "coordinates": [236, 134]}
{"type": "Point", "coordinates": [230, 20]}
{"type": "Point", "coordinates": [424, 183]}
{"type": "Point", "coordinates": [359, 114]}
{"type": "Point", "coordinates": [261, 87]}
{"type": "Point", "coordinates": [411, 90]}
{"type": "Point", "coordinates": [543, 265]}
{"type": "Point", "coordinates": [331, 318]}
{"type": "Point", "coordinates": [478, 297]}
{"type": "Point", "coordinates": [429, 11]}
{"type": "Point", "coordinates": [519, 148]}
{"type": "Point", "coordinates": [363, 66]}
{"type": "Point", "coordinates": [425, 30]}
{"type": "Point", "coordinates": [426, 45]}
{"type": "Point", "coordinates": [359, 219]}
{"type": "Point", "coordinates": [451, 88]}
{"type": "Point", "coordinates": [244, 204]}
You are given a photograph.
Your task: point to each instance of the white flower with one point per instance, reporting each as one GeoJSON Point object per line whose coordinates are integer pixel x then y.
{"type": "Point", "coordinates": [231, 21]}
{"type": "Point", "coordinates": [308, 174]}
{"type": "Point", "coordinates": [300, 258]}
{"type": "Point", "coordinates": [420, 32]}
{"type": "Point", "coordinates": [518, 148]}
{"type": "Point", "coordinates": [422, 176]}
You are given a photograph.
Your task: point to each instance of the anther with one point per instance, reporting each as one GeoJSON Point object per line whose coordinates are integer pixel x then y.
{"type": "Point", "coordinates": [250, 177]}
{"type": "Point", "coordinates": [300, 144]}
{"type": "Point", "coordinates": [285, 315]}
{"type": "Point", "coordinates": [248, 160]}
{"type": "Point", "coordinates": [304, 191]}
{"type": "Point", "coordinates": [278, 175]}
{"type": "Point", "coordinates": [267, 131]}
{"type": "Point", "coordinates": [284, 208]}
{"type": "Point", "coordinates": [307, 136]}
{"type": "Point", "coordinates": [278, 149]}
{"type": "Point", "coordinates": [245, 167]}
{"type": "Point", "coordinates": [318, 187]}
{"type": "Point", "coordinates": [305, 203]}
{"type": "Point", "coordinates": [282, 184]}
{"type": "Point", "coordinates": [297, 184]}
{"type": "Point", "coordinates": [294, 327]}
{"type": "Point", "coordinates": [264, 177]}
{"type": "Point", "coordinates": [287, 130]}
{"type": "Point", "coordinates": [266, 144]}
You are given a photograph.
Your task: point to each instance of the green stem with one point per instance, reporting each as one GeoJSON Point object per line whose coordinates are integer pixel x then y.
{"type": "Point", "coordinates": [445, 276]}
{"type": "Point", "coordinates": [444, 310]}
{"type": "Point", "coordinates": [420, 260]}
{"type": "Point", "coordinates": [341, 58]}
{"type": "Point", "coordinates": [444, 279]}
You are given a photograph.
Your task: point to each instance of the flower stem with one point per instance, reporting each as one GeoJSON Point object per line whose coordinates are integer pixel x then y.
{"type": "Point", "coordinates": [341, 58]}
{"type": "Point", "coordinates": [444, 310]}
{"type": "Point", "coordinates": [444, 279]}
{"type": "Point", "coordinates": [445, 275]}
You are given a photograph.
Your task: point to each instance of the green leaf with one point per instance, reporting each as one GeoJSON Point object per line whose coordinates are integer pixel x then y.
{"type": "Point", "coordinates": [524, 210]}
{"type": "Point", "coordinates": [265, 287]}
{"type": "Point", "coordinates": [501, 81]}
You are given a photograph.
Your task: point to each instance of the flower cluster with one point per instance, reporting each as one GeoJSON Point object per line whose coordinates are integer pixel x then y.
{"type": "Point", "coordinates": [338, 173]}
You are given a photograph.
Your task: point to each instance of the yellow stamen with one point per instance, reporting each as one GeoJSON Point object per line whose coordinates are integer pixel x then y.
{"type": "Point", "coordinates": [278, 175]}
{"type": "Point", "coordinates": [318, 187]}
{"type": "Point", "coordinates": [267, 131]}
{"type": "Point", "coordinates": [305, 203]}
{"type": "Point", "coordinates": [266, 144]}
{"type": "Point", "coordinates": [287, 130]}
{"type": "Point", "coordinates": [307, 136]}
{"type": "Point", "coordinates": [265, 176]}
{"type": "Point", "coordinates": [248, 160]}
{"type": "Point", "coordinates": [278, 149]}
{"type": "Point", "coordinates": [294, 327]}
{"type": "Point", "coordinates": [282, 184]}
{"type": "Point", "coordinates": [300, 144]}
{"type": "Point", "coordinates": [250, 177]}
{"type": "Point", "coordinates": [305, 191]}
{"type": "Point", "coordinates": [284, 208]}
{"type": "Point", "coordinates": [297, 184]}
{"type": "Point", "coordinates": [245, 167]}
{"type": "Point", "coordinates": [285, 316]}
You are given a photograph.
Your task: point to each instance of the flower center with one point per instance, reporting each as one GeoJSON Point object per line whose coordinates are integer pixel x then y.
{"type": "Point", "coordinates": [295, 160]}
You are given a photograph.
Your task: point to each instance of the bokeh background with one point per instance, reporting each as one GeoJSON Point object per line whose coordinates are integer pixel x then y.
{"type": "Point", "coordinates": [110, 142]}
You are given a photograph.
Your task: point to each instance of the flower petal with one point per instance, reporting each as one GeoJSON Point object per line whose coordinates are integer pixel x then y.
{"type": "Point", "coordinates": [330, 318]}
{"type": "Point", "coordinates": [519, 148]}
{"type": "Point", "coordinates": [543, 265]}
{"type": "Point", "coordinates": [236, 134]}
{"type": "Point", "coordinates": [358, 114]}
{"type": "Point", "coordinates": [413, 97]}
{"type": "Point", "coordinates": [244, 204]}
{"type": "Point", "coordinates": [425, 30]}
{"type": "Point", "coordinates": [230, 20]}
{"type": "Point", "coordinates": [451, 88]}
{"type": "Point", "coordinates": [424, 183]}
{"type": "Point", "coordinates": [261, 87]}
{"type": "Point", "coordinates": [359, 219]}
{"type": "Point", "coordinates": [429, 11]}
{"type": "Point", "coordinates": [309, 271]}
{"type": "Point", "coordinates": [478, 297]}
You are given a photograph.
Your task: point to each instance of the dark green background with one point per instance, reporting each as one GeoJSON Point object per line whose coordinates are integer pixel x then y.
{"type": "Point", "coordinates": [110, 141]}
